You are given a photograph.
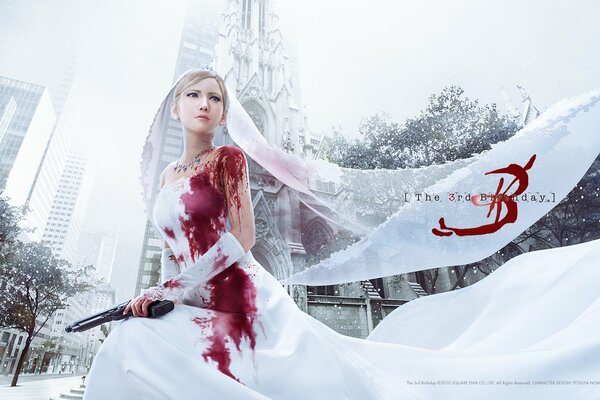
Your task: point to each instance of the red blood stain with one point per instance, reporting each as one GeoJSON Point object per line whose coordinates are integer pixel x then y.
{"type": "Point", "coordinates": [205, 211]}
{"type": "Point", "coordinates": [211, 190]}
{"type": "Point", "coordinates": [169, 232]}
{"type": "Point", "coordinates": [233, 295]}
{"type": "Point", "coordinates": [172, 283]}
{"type": "Point", "coordinates": [220, 260]}
{"type": "Point", "coordinates": [202, 322]}
{"type": "Point", "coordinates": [235, 180]}
{"type": "Point", "coordinates": [232, 292]}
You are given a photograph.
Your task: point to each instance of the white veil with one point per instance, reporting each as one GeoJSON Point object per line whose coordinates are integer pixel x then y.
{"type": "Point", "coordinates": [397, 235]}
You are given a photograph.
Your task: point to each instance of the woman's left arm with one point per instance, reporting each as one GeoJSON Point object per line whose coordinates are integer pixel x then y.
{"type": "Point", "coordinates": [237, 192]}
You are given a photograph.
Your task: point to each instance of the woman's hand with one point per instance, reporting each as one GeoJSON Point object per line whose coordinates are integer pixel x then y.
{"type": "Point", "coordinates": [139, 306]}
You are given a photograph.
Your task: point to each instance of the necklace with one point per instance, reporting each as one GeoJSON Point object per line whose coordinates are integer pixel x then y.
{"type": "Point", "coordinates": [197, 159]}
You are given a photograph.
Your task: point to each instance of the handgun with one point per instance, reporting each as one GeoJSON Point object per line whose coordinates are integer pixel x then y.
{"type": "Point", "coordinates": [155, 309]}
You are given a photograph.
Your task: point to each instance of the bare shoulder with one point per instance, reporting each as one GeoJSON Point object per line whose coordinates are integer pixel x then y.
{"type": "Point", "coordinates": [231, 153]}
{"type": "Point", "coordinates": [165, 175]}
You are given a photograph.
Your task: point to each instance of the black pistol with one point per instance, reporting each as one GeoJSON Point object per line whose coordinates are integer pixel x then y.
{"type": "Point", "coordinates": [155, 309]}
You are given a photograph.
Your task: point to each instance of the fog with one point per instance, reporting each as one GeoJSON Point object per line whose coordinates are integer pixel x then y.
{"type": "Point", "coordinates": [354, 60]}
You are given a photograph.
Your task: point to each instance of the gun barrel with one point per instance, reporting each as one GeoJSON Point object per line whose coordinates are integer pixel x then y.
{"type": "Point", "coordinates": [95, 319]}
{"type": "Point", "coordinates": [115, 313]}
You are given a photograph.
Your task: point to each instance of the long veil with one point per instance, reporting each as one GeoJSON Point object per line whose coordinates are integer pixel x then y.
{"type": "Point", "coordinates": [403, 226]}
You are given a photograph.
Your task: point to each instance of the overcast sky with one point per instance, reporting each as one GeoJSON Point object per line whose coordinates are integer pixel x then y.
{"type": "Point", "coordinates": [355, 59]}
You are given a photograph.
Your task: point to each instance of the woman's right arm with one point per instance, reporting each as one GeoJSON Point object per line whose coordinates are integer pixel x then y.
{"type": "Point", "coordinates": [168, 260]}
{"type": "Point", "coordinates": [168, 269]}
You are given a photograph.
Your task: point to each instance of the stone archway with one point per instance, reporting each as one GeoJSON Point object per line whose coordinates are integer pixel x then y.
{"type": "Point", "coordinates": [317, 239]}
{"type": "Point", "coordinates": [270, 249]}
{"type": "Point", "coordinates": [271, 259]}
{"type": "Point", "coordinates": [262, 260]}
{"type": "Point", "coordinates": [258, 115]}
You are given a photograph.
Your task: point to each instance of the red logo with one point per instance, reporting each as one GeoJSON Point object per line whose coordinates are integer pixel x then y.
{"type": "Point", "coordinates": [498, 199]}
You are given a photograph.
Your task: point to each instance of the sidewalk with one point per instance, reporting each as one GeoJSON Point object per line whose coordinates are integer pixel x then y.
{"type": "Point", "coordinates": [38, 389]}
{"type": "Point", "coordinates": [7, 379]}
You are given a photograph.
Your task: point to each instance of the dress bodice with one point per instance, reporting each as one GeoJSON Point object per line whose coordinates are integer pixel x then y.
{"type": "Point", "coordinates": [191, 212]}
{"type": "Point", "coordinates": [186, 218]}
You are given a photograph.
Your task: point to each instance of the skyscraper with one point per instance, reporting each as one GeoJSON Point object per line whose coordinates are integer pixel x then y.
{"type": "Point", "coordinates": [68, 208]}
{"type": "Point", "coordinates": [106, 255]}
{"type": "Point", "coordinates": [26, 122]}
{"type": "Point", "coordinates": [41, 196]}
{"type": "Point", "coordinates": [75, 352]}
{"type": "Point", "coordinates": [34, 154]}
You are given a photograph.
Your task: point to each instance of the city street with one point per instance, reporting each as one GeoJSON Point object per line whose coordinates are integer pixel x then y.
{"type": "Point", "coordinates": [38, 387]}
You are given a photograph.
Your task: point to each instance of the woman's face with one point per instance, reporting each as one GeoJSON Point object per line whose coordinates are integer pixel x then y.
{"type": "Point", "coordinates": [200, 107]}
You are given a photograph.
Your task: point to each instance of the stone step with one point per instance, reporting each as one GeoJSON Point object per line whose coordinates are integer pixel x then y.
{"type": "Point", "coordinates": [370, 289]}
{"type": "Point", "coordinates": [74, 394]}
{"type": "Point", "coordinates": [418, 289]}
{"type": "Point", "coordinates": [71, 396]}
{"type": "Point", "coordinates": [64, 398]}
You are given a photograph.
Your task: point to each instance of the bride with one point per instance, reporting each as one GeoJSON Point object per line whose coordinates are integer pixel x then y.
{"type": "Point", "coordinates": [235, 333]}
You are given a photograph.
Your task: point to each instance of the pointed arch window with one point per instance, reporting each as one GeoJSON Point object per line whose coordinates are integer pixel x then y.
{"type": "Point", "coordinates": [246, 13]}
{"type": "Point", "coordinates": [258, 115]}
{"type": "Point", "coordinates": [261, 17]}
{"type": "Point", "coordinates": [270, 79]}
{"type": "Point", "coordinates": [246, 73]}
{"type": "Point", "coordinates": [261, 74]}
{"type": "Point", "coordinates": [317, 240]}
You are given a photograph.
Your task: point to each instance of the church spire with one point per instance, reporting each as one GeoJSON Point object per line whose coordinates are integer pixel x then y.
{"type": "Point", "coordinates": [250, 54]}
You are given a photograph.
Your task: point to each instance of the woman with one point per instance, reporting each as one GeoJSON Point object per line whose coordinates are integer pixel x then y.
{"type": "Point", "coordinates": [235, 333]}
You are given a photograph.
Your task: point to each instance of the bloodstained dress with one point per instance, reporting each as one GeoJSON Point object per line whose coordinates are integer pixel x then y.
{"type": "Point", "coordinates": [240, 335]}
{"type": "Point", "coordinates": [206, 200]}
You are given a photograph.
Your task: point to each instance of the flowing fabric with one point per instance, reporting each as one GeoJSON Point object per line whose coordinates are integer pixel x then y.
{"type": "Point", "coordinates": [242, 338]}
{"type": "Point", "coordinates": [383, 206]}
{"type": "Point", "coordinates": [521, 333]}
{"type": "Point", "coordinates": [397, 225]}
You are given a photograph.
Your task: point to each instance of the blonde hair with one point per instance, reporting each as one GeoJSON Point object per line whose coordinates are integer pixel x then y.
{"type": "Point", "coordinates": [193, 77]}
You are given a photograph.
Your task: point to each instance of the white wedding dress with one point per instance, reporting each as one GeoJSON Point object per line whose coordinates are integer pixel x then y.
{"type": "Point", "coordinates": [532, 319]}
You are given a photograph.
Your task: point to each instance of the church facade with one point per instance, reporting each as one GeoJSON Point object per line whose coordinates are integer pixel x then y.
{"type": "Point", "coordinates": [249, 53]}
{"type": "Point", "coordinates": [251, 56]}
